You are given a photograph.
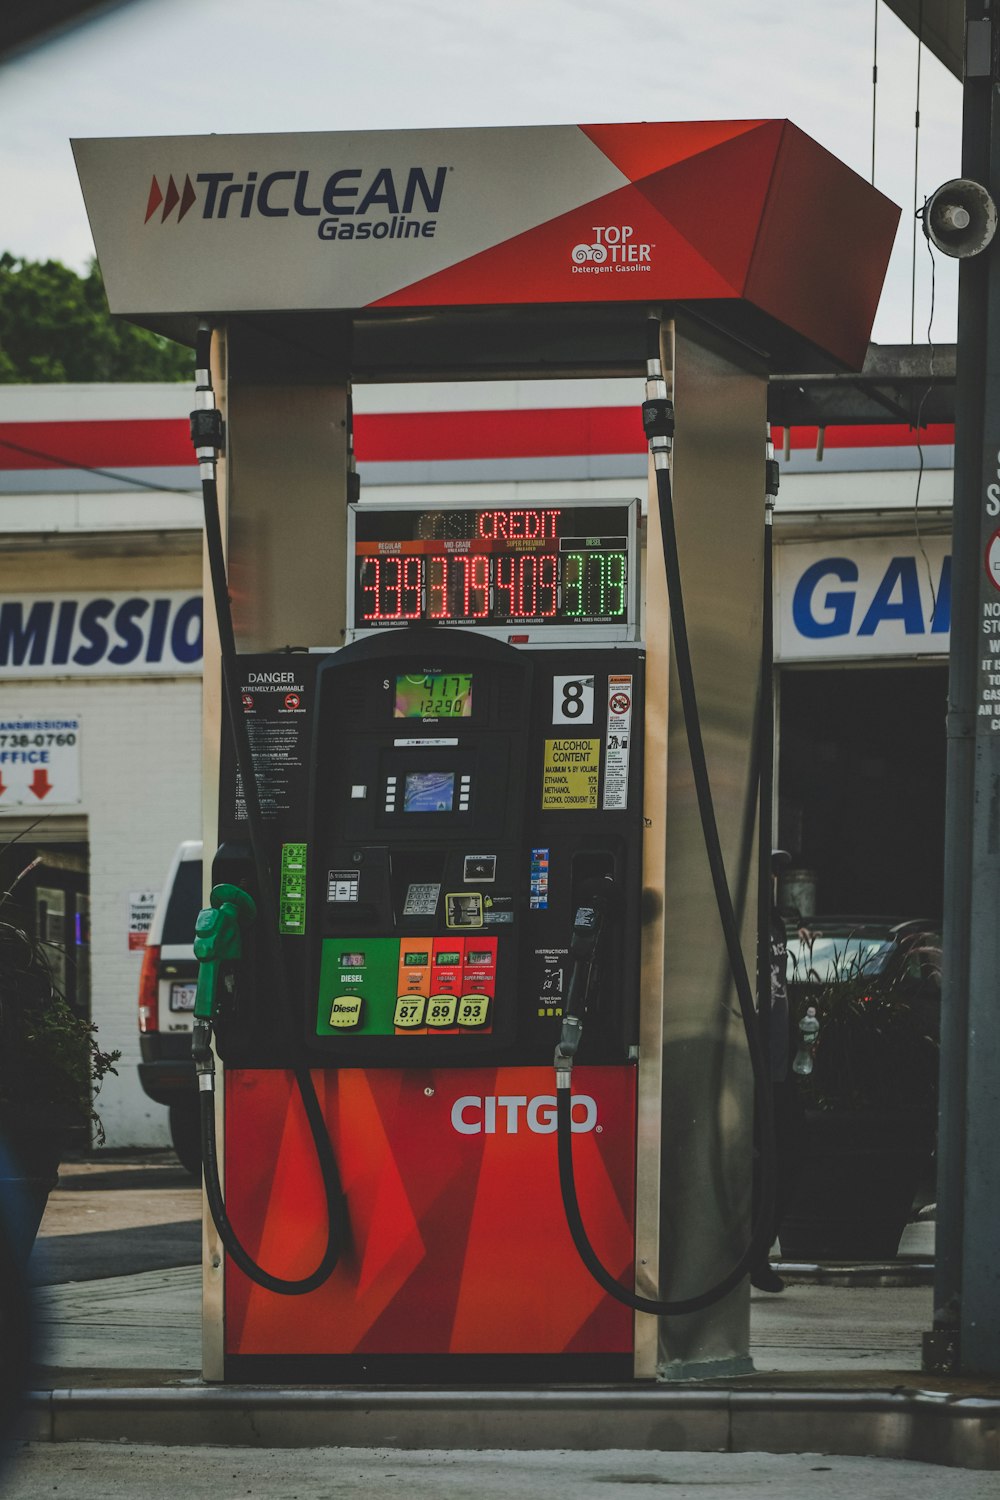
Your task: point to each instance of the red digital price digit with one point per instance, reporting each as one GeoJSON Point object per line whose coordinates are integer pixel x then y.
{"type": "Point", "coordinates": [505, 584]}
{"type": "Point", "coordinates": [548, 580]}
{"type": "Point", "coordinates": [527, 586]}
{"type": "Point", "coordinates": [437, 587]}
{"type": "Point", "coordinates": [475, 587]}
{"type": "Point", "coordinates": [410, 588]}
{"type": "Point", "coordinates": [370, 585]}
{"type": "Point", "coordinates": [392, 588]}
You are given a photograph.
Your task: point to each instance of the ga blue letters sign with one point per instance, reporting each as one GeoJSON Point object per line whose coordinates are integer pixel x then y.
{"type": "Point", "coordinates": [867, 597]}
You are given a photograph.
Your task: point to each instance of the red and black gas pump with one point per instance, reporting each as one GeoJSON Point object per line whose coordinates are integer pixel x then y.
{"type": "Point", "coordinates": [442, 803]}
{"type": "Point", "coordinates": [477, 1099]}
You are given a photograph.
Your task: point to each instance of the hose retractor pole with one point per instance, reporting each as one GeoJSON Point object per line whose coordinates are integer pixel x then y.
{"type": "Point", "coordinates": [220, 933]}
{"type": "Point", "coordinates": [658, 423]}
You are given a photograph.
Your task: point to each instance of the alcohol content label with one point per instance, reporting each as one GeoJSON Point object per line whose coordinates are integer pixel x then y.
{"type": "Point", "coordinates": [570, 774]}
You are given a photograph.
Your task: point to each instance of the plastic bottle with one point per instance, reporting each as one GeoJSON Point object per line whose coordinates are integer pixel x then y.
{"type": "Point", "coordinates": [809, 1027]}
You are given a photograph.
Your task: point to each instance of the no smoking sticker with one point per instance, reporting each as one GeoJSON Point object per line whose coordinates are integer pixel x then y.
{"type": "Point", "coordinates": [993, 559]}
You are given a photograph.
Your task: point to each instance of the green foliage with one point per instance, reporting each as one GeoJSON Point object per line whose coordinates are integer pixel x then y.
{"type": "Point", "coordinates": [877, 1045]}
{"type": "Point", "coordinates": [50, 1063]}
{"type": "Point", "coordinates": [55, 326]}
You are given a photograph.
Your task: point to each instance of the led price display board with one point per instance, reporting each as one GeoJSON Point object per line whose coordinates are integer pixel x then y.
{"type": "Point", "coordinates": [494, 568]}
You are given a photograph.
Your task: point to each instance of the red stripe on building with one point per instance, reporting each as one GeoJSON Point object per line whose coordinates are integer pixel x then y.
{"type": "Point", "coordinates": [158, 442]}
{"type": "Point", "coordinates": [406, 437]}
{"type": "Point", "coordinates": [423, 436]}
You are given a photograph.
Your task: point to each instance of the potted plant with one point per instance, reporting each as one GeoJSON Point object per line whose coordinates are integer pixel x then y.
{"type": "Point", "coordinates": [50, 1069]}
{"type": "Point", "coordinates": [866, 1074]}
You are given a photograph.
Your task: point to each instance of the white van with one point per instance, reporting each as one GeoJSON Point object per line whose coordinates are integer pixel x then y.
{"type": "Point", "coordinates": [167, 986]}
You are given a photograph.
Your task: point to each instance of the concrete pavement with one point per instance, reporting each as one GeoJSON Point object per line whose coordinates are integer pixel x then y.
{"type": "Point", "coordinates": [98, 1471]}
{"type": "Point", "coordinates": [837, 1367]}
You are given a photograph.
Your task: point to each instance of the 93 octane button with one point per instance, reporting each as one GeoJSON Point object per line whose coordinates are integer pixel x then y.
{"type": "Point", "coordinates": [473, 1010]}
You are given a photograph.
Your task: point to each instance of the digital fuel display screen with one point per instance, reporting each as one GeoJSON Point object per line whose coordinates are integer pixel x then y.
{"type": "Point", "coordinates": [439, 695]}
{"type": "Point", "coordinates": [543, 565]}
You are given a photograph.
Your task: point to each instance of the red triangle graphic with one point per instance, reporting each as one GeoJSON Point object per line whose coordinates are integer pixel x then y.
{"type": "Point", "coordinates": [551, 263]}
{"type": "Point", "coordinates": [172, 198]}
{"type": "Point", "coordinates": [639, 150]}
{"type": "Point", "coordinates": [187, 198]}
{"type": "Point", "coordinates": [155, 199]}
{"type": "Point", "coordinates": [716, 199]}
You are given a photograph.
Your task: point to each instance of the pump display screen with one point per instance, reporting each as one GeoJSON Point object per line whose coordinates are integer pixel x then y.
{"type": "Point", "coordinates": [438, 696]}
{"type": "Point", "coordinates": [543, 565]}
{"type": "Point", "coordinates": [429, 791]}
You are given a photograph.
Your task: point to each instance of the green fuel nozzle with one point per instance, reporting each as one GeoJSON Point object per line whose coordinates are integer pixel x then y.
{"type": "Point", "coordinates": [218, 947]}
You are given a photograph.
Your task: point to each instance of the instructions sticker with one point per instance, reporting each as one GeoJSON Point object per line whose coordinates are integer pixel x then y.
{"type": "Point", "coordinates": [616, 743]}
{"type": "Point", "coordinates": [570, 773]}
{"type": "Point", "coordinates": [292, 900]}
{"type": "Point", "coordinates": [342, 885]}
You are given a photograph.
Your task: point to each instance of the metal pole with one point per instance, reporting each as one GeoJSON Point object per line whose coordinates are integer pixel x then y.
{"type": "Point", "coordinates": [967, 1279]}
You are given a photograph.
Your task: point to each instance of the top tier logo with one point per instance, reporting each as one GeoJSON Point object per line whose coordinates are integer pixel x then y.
{"type": "Point", "coordinates": [614, 248]}
{"type": "Point", "coordinates": [348, 204]}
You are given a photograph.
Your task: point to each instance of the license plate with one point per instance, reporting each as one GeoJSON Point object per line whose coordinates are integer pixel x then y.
{"type": "Point", "coordinates": [182, 996]}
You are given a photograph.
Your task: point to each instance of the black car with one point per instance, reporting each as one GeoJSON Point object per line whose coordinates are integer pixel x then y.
{"type": "Point", "coordinates": [885, 953]}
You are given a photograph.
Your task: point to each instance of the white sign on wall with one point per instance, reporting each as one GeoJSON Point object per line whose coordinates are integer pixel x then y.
{"type": "Point", "coordinates": [39, 762]}
{"type": "Point", "coordinates": [862, 597]}
{"type": "Point", "coordinates": [141, 905]}
{"type": "Point", "coordinates": [113, 634]}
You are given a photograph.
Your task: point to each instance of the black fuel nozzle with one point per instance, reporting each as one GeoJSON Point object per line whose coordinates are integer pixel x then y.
{"type": "Point", "coordinates": [587, 926]}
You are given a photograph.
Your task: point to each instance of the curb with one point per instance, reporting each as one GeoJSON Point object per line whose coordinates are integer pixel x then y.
{"type": "Point", "coordinates": [856, 1273]}
{"type": "Point", "coordinates": [924, 1426]}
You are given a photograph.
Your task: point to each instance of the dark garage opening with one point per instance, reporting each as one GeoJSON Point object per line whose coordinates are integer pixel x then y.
{"type": "Point", "coordinates": [862, 784]}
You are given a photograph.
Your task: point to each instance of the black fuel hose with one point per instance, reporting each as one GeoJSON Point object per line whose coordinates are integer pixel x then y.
{"type": "Point", "coordinates": [267, 908]}
{"type": "Point", "coordinates": [660, 426]}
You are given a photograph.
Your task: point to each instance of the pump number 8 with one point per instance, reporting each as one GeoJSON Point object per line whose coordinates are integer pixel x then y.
{"type": "Point", "coordinates": [572, 700]}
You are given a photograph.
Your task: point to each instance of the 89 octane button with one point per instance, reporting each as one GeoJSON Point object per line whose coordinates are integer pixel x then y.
{"type": "Point", "coordinates": [473, 1010]}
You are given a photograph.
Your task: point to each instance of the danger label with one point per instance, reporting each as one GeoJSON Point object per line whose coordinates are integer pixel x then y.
{"type": "Point", "coordinates": [570, 774]}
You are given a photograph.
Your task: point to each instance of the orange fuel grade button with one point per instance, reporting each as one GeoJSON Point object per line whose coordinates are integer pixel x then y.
{"type": "Point", "coordinates": [409, 1011]}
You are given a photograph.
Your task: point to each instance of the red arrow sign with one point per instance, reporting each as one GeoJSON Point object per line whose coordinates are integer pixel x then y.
{"type": "Point", "coordinates": [40, 783]}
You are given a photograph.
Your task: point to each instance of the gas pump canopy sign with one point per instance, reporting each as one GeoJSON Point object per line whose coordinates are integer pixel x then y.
{"type": "Point", "coordinates": [749, 211]}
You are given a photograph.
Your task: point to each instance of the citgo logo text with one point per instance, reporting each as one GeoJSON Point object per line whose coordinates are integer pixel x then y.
{"type": "Point", "coordinates": [472, 1115]}
{"type": "Point", "coordinates": [349, 204]}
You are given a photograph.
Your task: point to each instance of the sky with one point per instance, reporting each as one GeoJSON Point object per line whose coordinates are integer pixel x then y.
{"type": "Point", "coordinates": [191, 67]}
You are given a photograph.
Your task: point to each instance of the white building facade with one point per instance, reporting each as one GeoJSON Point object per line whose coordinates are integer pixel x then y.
{"type": "Point", "coordinates": [100, 642]}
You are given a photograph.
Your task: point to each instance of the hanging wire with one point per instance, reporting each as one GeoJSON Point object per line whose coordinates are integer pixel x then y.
{"type": "Point", "coordinates": [133, 481]}
{"type": "Point", "coordinates": [920, 421]}
{"type": "Point", "coordinates": [916, 164]}
{"type": "Point", "coordinates": [874, 85]}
